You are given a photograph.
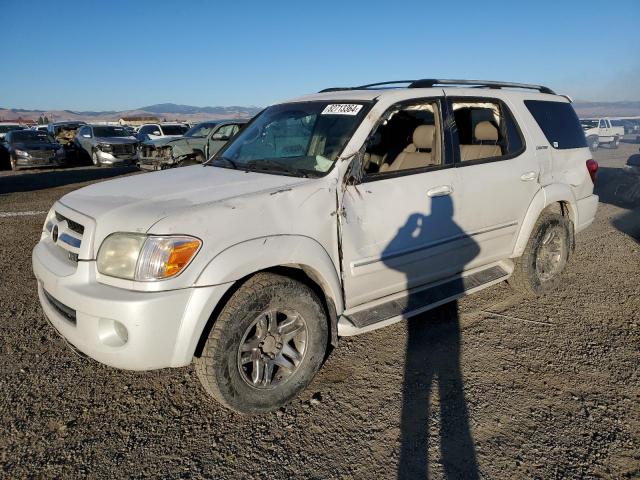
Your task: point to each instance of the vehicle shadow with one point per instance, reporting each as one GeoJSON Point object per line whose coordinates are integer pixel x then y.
{"type": "Point", "coordinates": [621, 187]}
{"type": "Point", "coordinates": [433, 357]}
{"type": "Point", "coordinates": [29, 181]}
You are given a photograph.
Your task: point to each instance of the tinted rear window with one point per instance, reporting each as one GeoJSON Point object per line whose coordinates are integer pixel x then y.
{"type": "Point", "coordinates": [174, 129]}
{"type": "Point", "coordinates": [558, 122]}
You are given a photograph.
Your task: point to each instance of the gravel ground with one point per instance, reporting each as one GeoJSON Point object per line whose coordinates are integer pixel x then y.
{"type": "Point", "coordinates": [495, 386]}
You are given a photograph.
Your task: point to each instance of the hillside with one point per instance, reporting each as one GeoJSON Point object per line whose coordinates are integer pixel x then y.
{"type": "Point", "coordinates": [168, 111]}
{"type": "Point", "coordinates": [189, 113]}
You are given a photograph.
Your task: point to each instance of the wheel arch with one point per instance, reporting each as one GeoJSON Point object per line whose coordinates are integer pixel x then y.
{"type": "Point", "coordinates": [297, 257]}
{"type": "Point", "coordinates": [555, 197]}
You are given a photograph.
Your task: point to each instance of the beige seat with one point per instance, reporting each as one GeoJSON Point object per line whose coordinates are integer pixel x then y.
{"type": "Point", "coordinates": [414, 156]}
{"type": "Point", "coordinates": [484, 132]}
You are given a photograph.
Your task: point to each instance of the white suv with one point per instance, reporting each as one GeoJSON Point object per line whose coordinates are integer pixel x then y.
{"type": "Point", "coordinates": [329, 215]}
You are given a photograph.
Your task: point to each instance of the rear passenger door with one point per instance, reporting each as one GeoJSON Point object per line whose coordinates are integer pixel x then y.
{"type": "Point", "coordinates": [498, 174]}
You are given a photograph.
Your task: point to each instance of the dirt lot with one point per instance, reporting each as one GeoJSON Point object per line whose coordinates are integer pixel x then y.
{"type": "Point", "coordinates": [497, 386]}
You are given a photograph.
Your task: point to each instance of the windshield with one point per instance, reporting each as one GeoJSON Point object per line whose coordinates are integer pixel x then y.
{"type": "Point", "coordinates": [174, 129]}
{"type": "Point", "coordinates": [589, 124]}
{"type": "Point", "coordinates": [110, 132]}
{"type": "Point", "coordinates": [9, 128]}
{"type": "Point", "coordinates": [296, 138]}
{"type": "Point", "coordinates": [200, 130]}
{"type": "Point", "coordinates": [31, 136]}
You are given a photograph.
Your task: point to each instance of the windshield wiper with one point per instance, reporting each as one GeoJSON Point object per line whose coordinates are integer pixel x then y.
{"type": "Point", "coordinates": [272, 165]}
{"type": "Point", "coordinates": [233, 164]}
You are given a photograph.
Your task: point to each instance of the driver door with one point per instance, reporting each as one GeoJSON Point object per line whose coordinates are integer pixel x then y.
{"type": "Point", "coordinates": [399, 225]}
{"type": "Point", "coordinates": [219, 137]}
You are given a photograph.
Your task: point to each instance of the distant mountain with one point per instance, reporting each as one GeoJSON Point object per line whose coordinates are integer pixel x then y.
{"type": "Point", "coordinates": [190, 113]}
{"type": "Point", "coordinates": [162, 108]}
{"type": "Point", "coordinates": [607, 109]}
{"type": "Point", "coordinates": [162, 111]}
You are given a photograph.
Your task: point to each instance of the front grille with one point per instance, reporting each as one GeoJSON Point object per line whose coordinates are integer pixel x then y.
{"type": "Point", "coordinates": [67, 312]}
{"type": "Point", "coordinates": [123, 149]}
{"type": "Point", "coordinates": [41, 155]}
{"type": "Point", "coordinates": [74, 226]}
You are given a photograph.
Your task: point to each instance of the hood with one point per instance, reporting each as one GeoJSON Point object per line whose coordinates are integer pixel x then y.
{"type": "Point", "coordinates": [116, 140]}
{"type": "Point", "coordinates": [137, 202]}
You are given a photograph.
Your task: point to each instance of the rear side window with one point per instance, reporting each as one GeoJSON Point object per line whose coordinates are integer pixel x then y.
{"type": "Point", "coordinates": [486, 130]}
{"type": "Point", "coordinates": [558, 122]}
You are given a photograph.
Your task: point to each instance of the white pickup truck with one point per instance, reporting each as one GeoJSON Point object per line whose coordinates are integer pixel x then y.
{"type": "Point", "coordinates": [599, 131]}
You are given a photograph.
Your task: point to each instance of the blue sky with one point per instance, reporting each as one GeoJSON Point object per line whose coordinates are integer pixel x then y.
{"type": "Point", "coordinates": [99, 55]}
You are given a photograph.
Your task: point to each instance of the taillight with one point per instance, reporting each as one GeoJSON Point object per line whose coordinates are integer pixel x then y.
{"type": "Point", "coordinates": [592, 166]}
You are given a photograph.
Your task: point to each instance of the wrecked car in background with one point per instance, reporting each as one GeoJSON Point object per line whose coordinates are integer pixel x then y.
{"type": "Point", "coordinates": [6, 127]}
{"type": "Point", "coordinates": [107, 145]}
{"type": "Point", "coordinates": [64, 133]}
{"type": "Point", "coordinates": [153, 131]}
{"type": "Point", "coordinates": [198, 144]}
{"type": "Point", "coordinates": [30, 148]}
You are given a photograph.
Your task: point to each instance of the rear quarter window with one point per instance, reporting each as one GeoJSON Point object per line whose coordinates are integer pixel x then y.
{"type": "Point", "coordinates": [558, 122]}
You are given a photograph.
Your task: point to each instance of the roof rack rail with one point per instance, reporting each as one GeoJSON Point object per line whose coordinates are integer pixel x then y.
{"type": "Point", "coordinates": [365, 87]}
{"type": "Point", "coordinates": [432, 82]}
{"type": "Point", "coordinates": [429, 83]}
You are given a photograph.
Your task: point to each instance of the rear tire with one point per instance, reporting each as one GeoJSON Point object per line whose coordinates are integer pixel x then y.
{"type": "Point", "coordinates": [539, 268]}
{"type": "Point", "coordinates": [615, 143]}
{"type": "Point", "coordinates": [266, 345]}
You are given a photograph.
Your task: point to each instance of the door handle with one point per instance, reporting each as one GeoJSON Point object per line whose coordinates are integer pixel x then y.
{"type": "Point", "coordinates": [528, 176]}
{"type": "Point", "coordinates": [440, 191]}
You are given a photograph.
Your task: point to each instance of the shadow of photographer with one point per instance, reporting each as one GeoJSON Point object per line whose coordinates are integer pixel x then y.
{"type": "Point", "coordinates": [433, 356]}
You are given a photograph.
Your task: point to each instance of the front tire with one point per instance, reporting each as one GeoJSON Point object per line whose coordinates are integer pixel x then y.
{"type": "Point", "coordinates": [266, 345]}
{"type": "Point", "coordinates": [95, 159]}
{"type": "Point", "coordinates": [593, 143]}
{"type": "Point", "coordinates": [539, 268]}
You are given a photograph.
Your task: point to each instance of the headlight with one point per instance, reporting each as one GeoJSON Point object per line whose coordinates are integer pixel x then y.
{"type": "Point", "coordinates": [145, 257]}
{"type": "Point", "coordinates": [105, 147]}
{"type": "Point", "coordinates": [22, 153]}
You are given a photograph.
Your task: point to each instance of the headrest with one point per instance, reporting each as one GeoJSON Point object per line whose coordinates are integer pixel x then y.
{"type": "Point", "coordinates": [423, 136]}
{"type": "Point", "coordinates": [486, 131]}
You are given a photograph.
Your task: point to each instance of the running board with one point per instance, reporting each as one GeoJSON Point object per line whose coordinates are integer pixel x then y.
{"type": "Point", "coordinates": [383, 313]}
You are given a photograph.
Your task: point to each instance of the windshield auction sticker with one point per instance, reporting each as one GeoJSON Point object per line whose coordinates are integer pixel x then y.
{"type": "Point", "coordinates": [342, 109]}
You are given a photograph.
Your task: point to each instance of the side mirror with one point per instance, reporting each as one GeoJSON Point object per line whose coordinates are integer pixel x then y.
{"type": "Point", "coordinates": [220, 136]}
{"type": "Point", "coordinates": [156, 132]}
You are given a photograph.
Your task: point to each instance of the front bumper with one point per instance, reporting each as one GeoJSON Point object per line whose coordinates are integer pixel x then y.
{"type": "Point", "coordinates": [52, 160]}
{"type": "Point", "coordinates": [111, 159]}
{"type": "Point", "coordinates": [155, 163]}
{"type": "Point", "coordinates": [152, 165]}
{"type": "Point", "coordinates": [162, 328]}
